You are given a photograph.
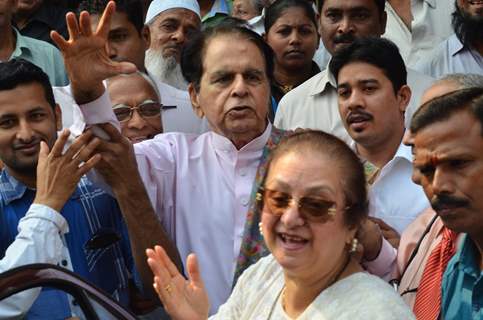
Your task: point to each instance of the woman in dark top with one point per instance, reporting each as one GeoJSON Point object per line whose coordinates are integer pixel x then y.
{"type": "Point", "coordinates": [291, 31]}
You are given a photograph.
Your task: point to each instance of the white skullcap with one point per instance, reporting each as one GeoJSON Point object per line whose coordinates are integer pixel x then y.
{"type": "Point", "coordinates": [158, 6]}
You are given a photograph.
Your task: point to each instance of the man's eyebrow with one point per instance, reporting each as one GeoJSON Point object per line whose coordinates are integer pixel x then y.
{"type": "Point", "coordinates": [254, 71]}
{"type": "Point", "coordinates": [343, 85]}
{"type": "Point", "coordinates": [169, 20]}
{"type": "Point", "coordinates": [359, 10]}
{"type": "Point", "coordinates": [368, 81]}
{"type": "Point", "coordinates": [118, 29]}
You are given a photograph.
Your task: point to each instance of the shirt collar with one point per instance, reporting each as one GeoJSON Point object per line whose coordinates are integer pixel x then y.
{"type": "Point", "coordinates": [465, 258]}
{"type": "Point", "coordinates": [20, 44]}
{"type": "Point", "coordinates": [455, 45]}
{"type": "Point", "coordinates": [224, 144]}
{"type": "Point", "coordinates": [219, 6]}
{"type": "Point", "coordinates": [402, 152]}
{"type": "Point", "coordinates": [325, 81]}
{"type": "Point", "coordinates": [10, 188]}
{"type": "Point", "coordinates": [431, 3]}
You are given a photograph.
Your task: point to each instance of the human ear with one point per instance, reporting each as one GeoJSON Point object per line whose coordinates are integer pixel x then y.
{"type": "Point", "coordinates": [403, 97]}
{"type": "Point", "coordinates": [58, 117]}
{"type": "Point", "coordinates": [194, 97]}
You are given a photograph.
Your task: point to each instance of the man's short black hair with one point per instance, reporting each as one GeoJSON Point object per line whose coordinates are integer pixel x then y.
{"type": "Point", "coordinates": [379, 52]}
{"type": "Point", "coordinates": [442, 108]}
{"type": "Point", "coordinates": [18, 72]}
{"type": "Point", "coordinates": [379, 3]}
{"type": "Point", "coordinates": [132, 8]}
{"type": "Point", "coordinates": [193, 53]}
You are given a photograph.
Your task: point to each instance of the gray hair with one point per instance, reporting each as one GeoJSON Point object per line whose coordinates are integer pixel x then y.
{"type": "Point", "coordinates": [463, 81]}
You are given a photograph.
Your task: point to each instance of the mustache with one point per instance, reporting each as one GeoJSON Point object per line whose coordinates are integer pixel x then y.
{"type": "Point", "coordinates": [358, 115]}
{"type": "Point", "coordinates": [23, 144]}
{"type": "Point", "coordinates": [442, 201]}
{"type": "Point", "coordinates": [344, 38]}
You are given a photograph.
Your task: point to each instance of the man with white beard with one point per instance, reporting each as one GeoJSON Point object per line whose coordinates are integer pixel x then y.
{"type": "Point", "coordinates": [171, 24]}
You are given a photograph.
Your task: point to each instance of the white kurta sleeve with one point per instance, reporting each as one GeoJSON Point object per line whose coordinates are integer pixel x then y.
{"type": "Point", "coordinates": [39, 240]}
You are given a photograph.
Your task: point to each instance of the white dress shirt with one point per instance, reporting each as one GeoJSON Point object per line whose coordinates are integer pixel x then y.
{"type": "Point", "coordinates": [314, 105]}
{"type": "Point", "coordinates": [451, 56]}
{"type": "Point", "coordinates": [394, 197]}
{"type": "Point", "coordinates": [199, 186]}
{"type": "Point", "coordinates": [431, 24]}
{"type": "Point", "coordinates": [39, 240]}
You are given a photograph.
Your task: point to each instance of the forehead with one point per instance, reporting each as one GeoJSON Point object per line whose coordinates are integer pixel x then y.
{"type": "Point", "coordinates": [293, 15]}
{"type": "Point", "coordinates": [242, 3]}
{"type": "Point", "coordinates": [348, 5]}
{"type": "Point", "coordinates": [460, 134]}
{"type": "Point", "coordinates": [438, 89]}
{"type": "Point", "coordinates": [242, 54]}
{"type": "Point", "coordinates": [305, 171]}
{"type": "Point", "coordinates": [123, 89]}
{"type": "Point", "coordinates": [358, 72]}
{"type": "Point", "coordinates": [32, 94]}
{"type": "Point", "coordinates": [184, 16]}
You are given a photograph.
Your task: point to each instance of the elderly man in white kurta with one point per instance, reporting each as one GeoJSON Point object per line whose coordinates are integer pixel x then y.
{"type": "Point", "coordinates": [199, 185]}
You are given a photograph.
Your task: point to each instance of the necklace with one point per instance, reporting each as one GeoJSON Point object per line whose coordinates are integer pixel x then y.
{"type": "Point", "coordinates": [281, 294]}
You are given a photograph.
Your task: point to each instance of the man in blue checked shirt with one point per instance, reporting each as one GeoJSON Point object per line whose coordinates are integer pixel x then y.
{"type": "Point", "coordinates": [96, 239]}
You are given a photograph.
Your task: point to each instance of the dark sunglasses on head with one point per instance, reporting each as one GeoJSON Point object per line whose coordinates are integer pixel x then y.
{"type": "Point", "coordinates": [311, 208]}
{"type": "Point", "coordinates": [146, 109]}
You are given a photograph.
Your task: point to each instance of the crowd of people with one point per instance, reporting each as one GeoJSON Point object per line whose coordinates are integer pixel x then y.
{"type": "Point", "coordinates": [245, 159]}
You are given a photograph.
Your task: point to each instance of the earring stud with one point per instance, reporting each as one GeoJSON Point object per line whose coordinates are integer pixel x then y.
{"type": "Point", "coordinates": [354, 244]}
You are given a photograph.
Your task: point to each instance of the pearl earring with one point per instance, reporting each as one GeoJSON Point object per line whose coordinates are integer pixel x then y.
{"type": "Point", "coordinates": [354, 244]}
{"type": "Point", "coordinates": [260, 228]}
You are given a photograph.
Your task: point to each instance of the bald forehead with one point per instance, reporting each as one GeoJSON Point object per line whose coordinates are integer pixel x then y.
{"type": "Point", "coordinates": [439, 89]}
{"type": "Point", "coordinates": [134, 83]}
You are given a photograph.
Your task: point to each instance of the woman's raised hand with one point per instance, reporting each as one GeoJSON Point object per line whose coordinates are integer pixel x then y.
{"type": "Point", "coordinates": [182, 299]}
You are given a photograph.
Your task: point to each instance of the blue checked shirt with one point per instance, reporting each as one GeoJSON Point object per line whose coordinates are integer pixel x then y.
{"type": "Point", "coordinates": [88, 210]}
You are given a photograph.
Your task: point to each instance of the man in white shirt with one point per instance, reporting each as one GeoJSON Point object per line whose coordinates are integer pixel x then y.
{"type": "Point", "coordinates": [171, 23]}
{"type": "Point", "coordinates": [463, 51]}
{"type": "Point", "coordinates": [373, 96]}
{"type": "Point", "coordinates": [313, 104]}
{"type": "Point", "coordinates": [128, 40]}
{"type": "Point", "coordinates": [418, 26]}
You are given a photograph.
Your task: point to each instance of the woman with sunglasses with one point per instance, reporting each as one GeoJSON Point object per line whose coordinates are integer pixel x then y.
{"type": "Point", "coordinates": [313, 202]}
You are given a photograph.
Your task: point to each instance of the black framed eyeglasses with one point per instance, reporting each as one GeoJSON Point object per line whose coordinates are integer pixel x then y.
{"type": "Point", "coordinates": [145, 109]}
{"type": "Point", "coordinates": [311, 208]}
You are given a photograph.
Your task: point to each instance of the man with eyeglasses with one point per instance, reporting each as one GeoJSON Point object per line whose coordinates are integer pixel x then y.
{"type": "Point", "coordinates": [137, 106]}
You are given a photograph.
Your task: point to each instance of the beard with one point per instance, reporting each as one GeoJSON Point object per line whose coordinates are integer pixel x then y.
{"type": "Point", "coordinates": [468, 28]}
{"type": "Point", "coordinates": [166, 70]}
